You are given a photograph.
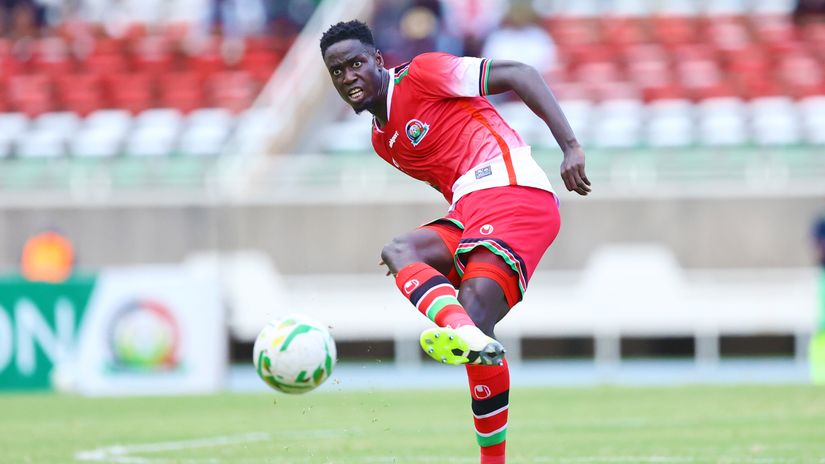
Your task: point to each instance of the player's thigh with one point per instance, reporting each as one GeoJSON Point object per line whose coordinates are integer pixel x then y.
{"type": "Point", "coordinates": [424, 245]}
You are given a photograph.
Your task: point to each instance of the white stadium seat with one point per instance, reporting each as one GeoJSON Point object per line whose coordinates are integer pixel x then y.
{"type": "Point", "coordinates": [774, 121]}
{"type": "Point", "coordinates": [65, 123]}
{"type": "Point", "coordinates": [160, 117]}
{"type": "Point", "coordinates": [97, 142]}
{"type": "Point", "coordinates": [12, 125]}
{"type": "Point", "coordinates": [812, 111]}
{"type": "Point", "coordinates": [151, 141]}
{"type": "Point", "coordinates": [670, 123]}
{"type": "Point", "coordinates": [203, 140]}
{"type": "Point", "coordinates": [618, 124]}
{"type": "Point", "coordinates": [210, 117]}
{"type": "Point", "coordinates": [119, 121]}
{"type": "Point", "coordinates": [722, 122]}
{"type": "Point", "coordinates": [41, 143]}
{"type": "Point", "coordinates": [579, 113]}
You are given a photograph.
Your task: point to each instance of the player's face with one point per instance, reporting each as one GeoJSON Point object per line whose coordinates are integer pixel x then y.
{"type": "Point", "coordinates": [355, 69]}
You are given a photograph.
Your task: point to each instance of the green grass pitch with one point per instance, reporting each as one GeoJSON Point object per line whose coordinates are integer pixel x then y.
{"type": "Point", "coordinates": [753, 424]}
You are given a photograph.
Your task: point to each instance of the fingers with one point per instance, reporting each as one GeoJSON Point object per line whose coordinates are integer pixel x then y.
{"type": "Point", "coordinates": [382, 263]}
{"type": "Point", "coordinates": [576, 181]}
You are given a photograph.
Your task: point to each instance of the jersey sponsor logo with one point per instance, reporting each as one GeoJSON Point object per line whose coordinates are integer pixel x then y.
{"type": "Point", "coordinates": [416, 130]}
{"type": "Point", "coordinates": [482, 392]}
{"type": "Point", "coordinates": [486, 229]}
{"type": "Point", "coordinates": [392, 140]}
{"type": "Point", "coordinates": [484, 172]}
{"type": "Point", "coordinates": [410, 286]}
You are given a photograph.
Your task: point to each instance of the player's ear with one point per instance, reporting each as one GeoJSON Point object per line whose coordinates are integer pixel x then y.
{"type": "Point", "coordinates": [379, 59]}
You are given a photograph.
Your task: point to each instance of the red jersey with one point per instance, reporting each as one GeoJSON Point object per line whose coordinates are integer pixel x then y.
{"type": "Point", "coordinates": [440, 128]}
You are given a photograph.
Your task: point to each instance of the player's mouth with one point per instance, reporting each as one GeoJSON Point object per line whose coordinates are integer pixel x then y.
{"type": "Point", "coordinates": [355, 94]}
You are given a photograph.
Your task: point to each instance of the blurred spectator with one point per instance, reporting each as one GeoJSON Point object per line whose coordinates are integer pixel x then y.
{"type": "Point", "coordinates": [809, 11]}
{"type": "Point", "coordinates": [238, 18]}
{"type": "Point", "coordinates": [406, 28]}
{"type": "Point", "coordinates": [521, 38]}
{"type": "Point", "coordinates": [472, 21]}
{"type": "Point", "coordinates": [47, 257]}
{"type": "Point", "coordinates": [21, 18]}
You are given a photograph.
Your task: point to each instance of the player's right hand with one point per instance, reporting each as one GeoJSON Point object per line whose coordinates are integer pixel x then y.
{"type": "Point", "coordinates": [572, 171]}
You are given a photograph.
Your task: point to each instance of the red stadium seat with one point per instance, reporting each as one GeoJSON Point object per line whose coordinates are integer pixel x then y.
{"type": "Point", "coordinates": [233, 90]}
{"type": "Point", "coordinates": [573, 31]}
{"type": "Point", "coordinates": [674, 30]}
{"type": "Point", "coordinates": [667, 91]}
{"type": "Point", "coordinates": [80, 93]}
{"type": "Point", "coordinates": [152, 54]}
{"type": "Point", "coordinates": [624, 31]}
{"type": "Point", "coordinates": [31, 93]}
{"type": "Point", "coordinates": [105, 63]}
{"type": "Point", "coordinates": [133, 91]}
{"type": "Point", "coordinates": [182, 91]}
{"type": "Point", "coordinates": [260, 64]}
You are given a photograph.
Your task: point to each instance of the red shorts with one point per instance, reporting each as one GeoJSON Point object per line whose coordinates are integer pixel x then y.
{"type": "Point", "coordinates": [516, 223]}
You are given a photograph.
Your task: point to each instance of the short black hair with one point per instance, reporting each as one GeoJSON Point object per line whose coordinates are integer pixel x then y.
{"type": "Point", "coordinates": [347, 30]}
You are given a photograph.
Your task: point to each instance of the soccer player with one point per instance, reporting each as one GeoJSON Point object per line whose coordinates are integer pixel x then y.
{"type": "Point", "coordinates": [433, 122]}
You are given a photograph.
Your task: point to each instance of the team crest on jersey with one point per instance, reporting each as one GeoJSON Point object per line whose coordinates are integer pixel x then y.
{"type": "Point", "coordinates": [416, 130]}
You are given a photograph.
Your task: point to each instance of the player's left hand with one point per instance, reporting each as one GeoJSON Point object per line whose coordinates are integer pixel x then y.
{"type": "Point", "coordinates": [572, 171]}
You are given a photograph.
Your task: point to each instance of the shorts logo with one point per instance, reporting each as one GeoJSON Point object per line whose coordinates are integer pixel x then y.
{"type": "Point", "coordinates": [410, 286]}
{"type": "Point", "coordinates": [481, 392]}
{"type": "Point", "coordinates": [392, 139]}
{"type": "Point", "coordinates": [416, 130]}
{"type": "Point", "coordinates": [486, 229]}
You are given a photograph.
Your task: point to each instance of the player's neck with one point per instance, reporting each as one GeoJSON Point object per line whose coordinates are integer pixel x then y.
{"type": "Point", "coordinates": [379, 110]}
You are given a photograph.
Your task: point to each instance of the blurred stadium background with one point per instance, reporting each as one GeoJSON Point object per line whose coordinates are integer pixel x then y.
{"type": "Point", "coordinates": [173, 174]}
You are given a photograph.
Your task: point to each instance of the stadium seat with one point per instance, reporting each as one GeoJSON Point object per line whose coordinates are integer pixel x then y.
{"type": "Point", "coordinates": [41, 143]}
{"type": "Point", "coordinates": [30, 93]}
{"type": "Point", "coordinates": [151, 141]}
{"type": "Point", "coordinates": [813, 119]}
{"type": "Point", "coordinates": [64, 123]}
{"type": "Point", "coordinates": [774, 121]}
{"type": "Point", "coordinates": [670, 123]}
{"type": "Point", "coordinates": [233, 90]}
{"type": "Point", "coordinates": [219, 117]}
{"type": "Point", "coordinates": [79, 93]}
{"type": "Point", "coordinates": [722, 122]}
{"type": "Point", "coordinates": [133, 92]}
{"type": "Point", "coordinates": [578, 113]}
{"type": "Point", "coordinates": [96, 142]}
{"type": "Point", "coordinates": [117, 121]}
{"type": "Point", "coordinates": [182, 91]}
{"type": "Point", "coordinates": [12, 126]}
{"type": "Point", "coordinates": [618, 124]}
{"type": "Point", "coordinates": [168, 118]}
{"type": "Point", "coordinates": [203, 140]}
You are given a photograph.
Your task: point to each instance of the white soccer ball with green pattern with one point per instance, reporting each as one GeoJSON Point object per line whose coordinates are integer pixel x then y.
{"type": "Point", "coordinates": [294, 354]}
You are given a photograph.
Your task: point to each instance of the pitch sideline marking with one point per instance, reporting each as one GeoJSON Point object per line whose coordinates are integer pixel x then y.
{"type": "Point", "coordinates": [122, 453]}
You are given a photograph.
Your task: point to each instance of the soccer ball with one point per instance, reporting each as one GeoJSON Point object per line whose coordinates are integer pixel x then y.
{"type": "Point", "coordinates": [294, 354]}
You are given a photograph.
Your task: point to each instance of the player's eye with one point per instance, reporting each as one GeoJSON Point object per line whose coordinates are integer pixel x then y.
{"type": "Point", "coordinates": [336, 72]}
{"type": "Point", "coordinates": [356, 64]}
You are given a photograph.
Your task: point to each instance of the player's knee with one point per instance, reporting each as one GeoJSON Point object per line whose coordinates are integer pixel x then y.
{"type": "Point", "coordinates": [398, 253]}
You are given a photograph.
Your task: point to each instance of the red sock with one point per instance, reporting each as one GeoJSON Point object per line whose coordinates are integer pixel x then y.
{"type": "Point", "coordinates": [490, 391]}
{"type": "Point", "coordinates": [433, 295]}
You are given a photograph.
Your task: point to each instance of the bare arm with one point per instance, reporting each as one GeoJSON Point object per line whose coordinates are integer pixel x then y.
{"type": "Point", "coordinates": [528, 84]}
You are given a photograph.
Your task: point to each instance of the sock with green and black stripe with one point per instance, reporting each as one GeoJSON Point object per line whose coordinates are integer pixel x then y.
{"type": "Point", "coordinates": [433, 294]}
{"type": "Point", "coordinates": [490, 391]}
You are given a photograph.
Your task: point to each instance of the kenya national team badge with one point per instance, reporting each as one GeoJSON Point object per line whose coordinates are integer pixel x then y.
{"type": "Point", "coordinates": [416, 130]}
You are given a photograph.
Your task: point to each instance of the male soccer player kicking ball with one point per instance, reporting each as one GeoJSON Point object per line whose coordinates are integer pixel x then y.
{"type": "Point", "coordinates": [432, 122]}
